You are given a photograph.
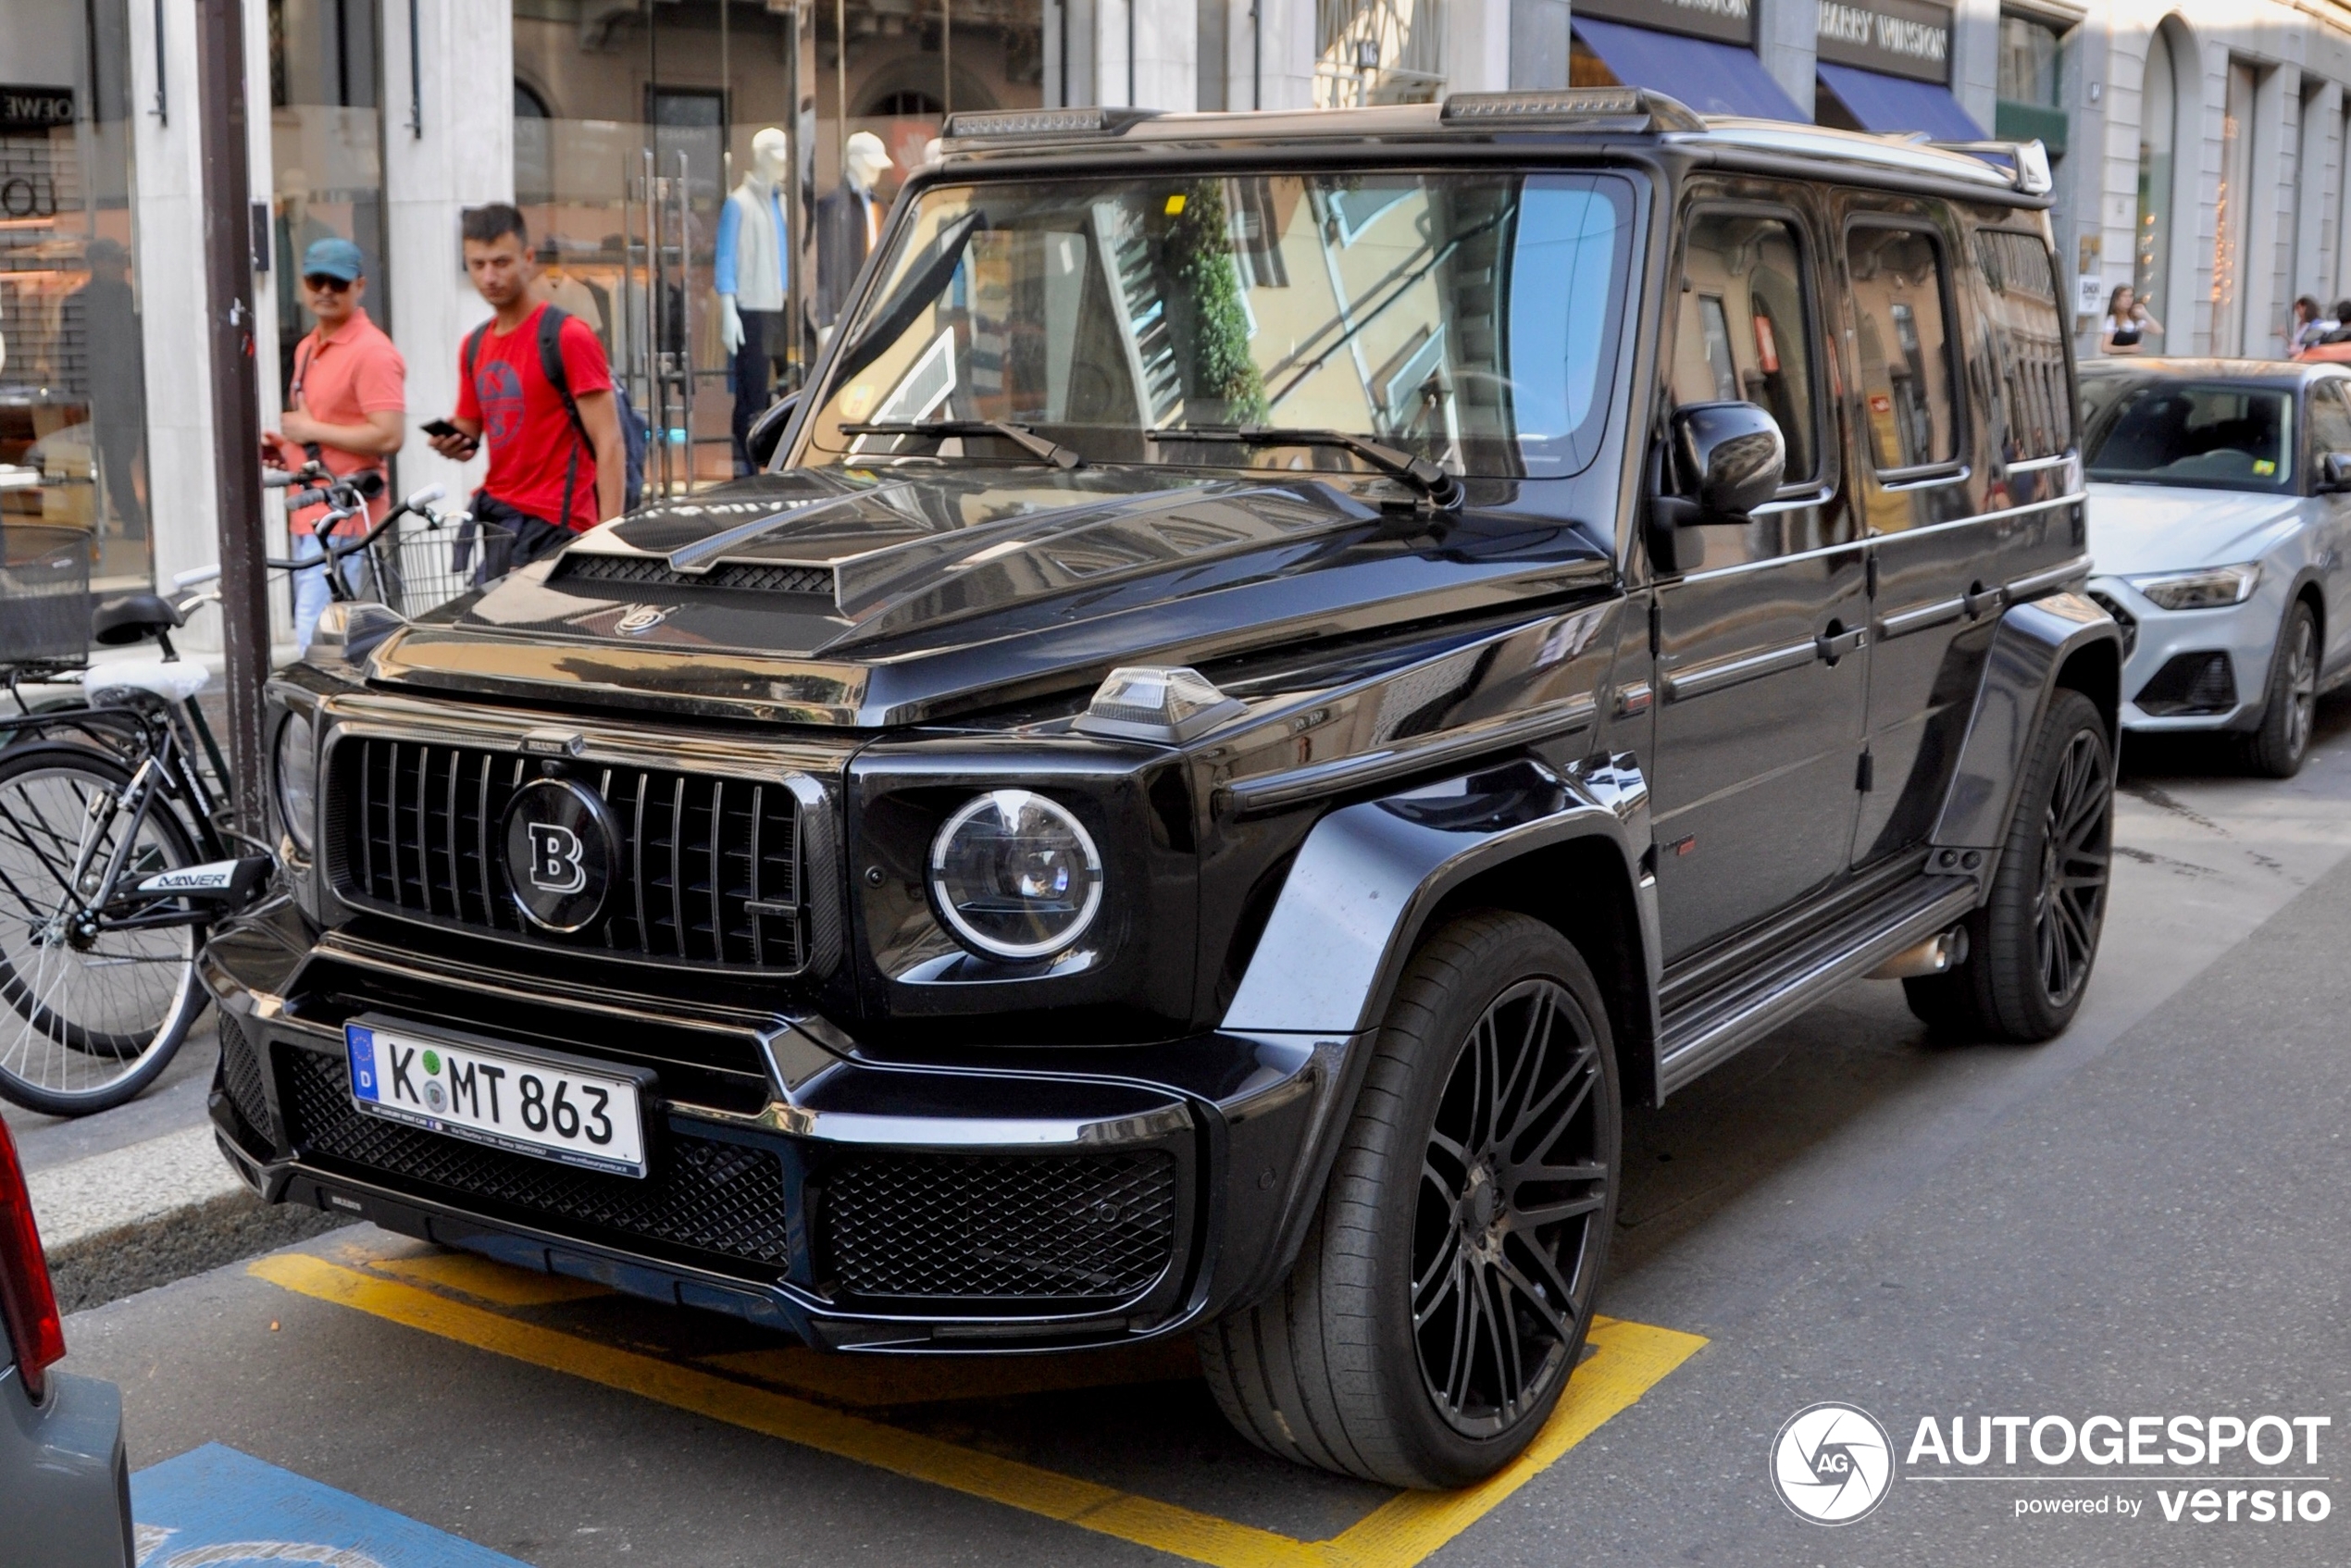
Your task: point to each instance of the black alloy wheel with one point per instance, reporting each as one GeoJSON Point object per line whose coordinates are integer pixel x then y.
{"type": "Point", "coordinates": [2030, 945]}
{"type": "Point", "coordinates": [2076, 860]}
{"type": "Point", "coordinates": [1502, 1247]}
{"type": "Point", "coordinates": [2276, 749]}
{"type": "Point", "coordinates": [1445, 1286]}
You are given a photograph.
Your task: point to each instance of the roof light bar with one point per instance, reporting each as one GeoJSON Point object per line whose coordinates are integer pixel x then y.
{"type": "Point", "coordinates": [1093, 121]}
{"type": "Point", "coordinates": [1657, 111]}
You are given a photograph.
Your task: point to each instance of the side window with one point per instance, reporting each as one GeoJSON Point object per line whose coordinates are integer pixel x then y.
{"type": "Point", "coordinates": [2029, 343]}
{"type": "Point", "coordinates": [2330, 420]}
{"type": "Point", "coordinates": [1900, 306]}
{"type": "Point", "coordinates": [1743, 334]}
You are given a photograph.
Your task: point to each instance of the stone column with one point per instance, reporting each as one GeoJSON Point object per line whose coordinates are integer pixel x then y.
{"type": "Point", "coordinates": [2321, 175]}
{"type": "Point", "coordinates": [1477, 45]}
{"type": "Point", "coordinates": [1147, 48]}
{"type": "Point", "coordinates": [1786, 38]}
{"type": "Point", "coordinates": [463, 156]}
{"type": "Point", "coordinates": [1976, 58]}
{"type": "Point", "coordinates": [2276, 113]}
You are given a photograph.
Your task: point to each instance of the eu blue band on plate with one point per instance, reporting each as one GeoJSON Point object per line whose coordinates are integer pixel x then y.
{"type": "Point", "coordinates": [216, 1507]}
{"type": "Point", "coordinates": [361, 1045]}
{"type": "Point", "coordinates": [1895, 105]}
{"type": "Point", "coordinates": [1711, 78]}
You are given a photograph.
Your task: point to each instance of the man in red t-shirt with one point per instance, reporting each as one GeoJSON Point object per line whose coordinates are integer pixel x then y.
{"type": "Point", "coordinates": [545, 485]}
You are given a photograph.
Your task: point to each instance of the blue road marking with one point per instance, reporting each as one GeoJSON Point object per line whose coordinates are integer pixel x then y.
{"type": "Point", "coordinates": [213, 1508]}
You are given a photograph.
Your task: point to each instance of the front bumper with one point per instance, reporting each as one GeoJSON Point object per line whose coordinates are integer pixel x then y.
{"type": "Point", "coordinates": [2247, 633]}
{"type": "Point", "coordinates": [1007, 1200]}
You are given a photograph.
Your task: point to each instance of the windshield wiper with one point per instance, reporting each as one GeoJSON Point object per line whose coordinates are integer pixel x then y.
{"type": "Point", "coordinates": [1028, 440]}
{"type": "Point", "coordinates": [1437, 487]}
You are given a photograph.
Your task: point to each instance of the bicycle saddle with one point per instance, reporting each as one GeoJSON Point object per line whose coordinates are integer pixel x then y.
{"type": "Point", "coordinates": [133, 617]}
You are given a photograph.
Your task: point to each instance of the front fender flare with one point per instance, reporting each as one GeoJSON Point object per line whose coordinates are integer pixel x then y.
{"type": "Point", "coordinates": [2035, 642]}
{"type": "Point", "coordinates": [1367, 877]}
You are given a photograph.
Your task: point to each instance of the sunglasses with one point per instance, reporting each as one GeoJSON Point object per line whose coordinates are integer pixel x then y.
{"type": "Point", "coordinates": [327, 285]}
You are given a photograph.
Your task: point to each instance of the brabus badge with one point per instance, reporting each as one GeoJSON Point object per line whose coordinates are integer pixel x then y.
{"type": "Point", "coordinates": [637, 619]}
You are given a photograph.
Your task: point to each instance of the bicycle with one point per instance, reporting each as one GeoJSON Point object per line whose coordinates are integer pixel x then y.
{"type": "Point", "coordinates": [116, 850]}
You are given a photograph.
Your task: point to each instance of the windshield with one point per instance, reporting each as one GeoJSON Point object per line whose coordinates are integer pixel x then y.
{"type": "Point", "coordinates": [2208, 435]}
{"type": "Point", "coordinates": [1466, 317]}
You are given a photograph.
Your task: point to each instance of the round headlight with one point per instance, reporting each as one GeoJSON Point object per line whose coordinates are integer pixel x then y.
{"type": "Point", "coordinates": [1015, 874]}
{"type": "Point", "coordinates": [297, 775]}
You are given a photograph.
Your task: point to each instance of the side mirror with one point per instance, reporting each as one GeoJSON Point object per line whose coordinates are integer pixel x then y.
{"type": "Point", "coordinates": [767, 432]}
{"type": "Point", "coordinates": [1729, 458]}
{"type": "Point", "coordinates": [2334, 471]}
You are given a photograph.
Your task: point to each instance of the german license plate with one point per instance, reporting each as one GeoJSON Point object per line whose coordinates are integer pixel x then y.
{"type": "Point", "coordinates": [524, 1102]}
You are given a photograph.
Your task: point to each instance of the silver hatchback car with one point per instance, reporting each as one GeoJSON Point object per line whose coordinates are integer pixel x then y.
{"type": "Point", "coordinates": [2220, 521]}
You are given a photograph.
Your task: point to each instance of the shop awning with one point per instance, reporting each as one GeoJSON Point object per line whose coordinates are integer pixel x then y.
{"type": "Point", "coordinates": [1714, 78]}
{"type": "Point", "coordinates": [1896, 104]}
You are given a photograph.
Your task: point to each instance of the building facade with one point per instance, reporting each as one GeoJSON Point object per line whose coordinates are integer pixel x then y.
{"type": "Point", "coordinates": [2200, 149]}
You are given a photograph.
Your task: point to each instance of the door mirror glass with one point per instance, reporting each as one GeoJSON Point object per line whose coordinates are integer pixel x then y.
{"type": "Point", "coordinates": [2335, 470]}
{"type": "Point", "coordinates": [1731, 458]}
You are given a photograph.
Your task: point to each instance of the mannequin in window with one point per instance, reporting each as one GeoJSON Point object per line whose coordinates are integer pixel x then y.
{"type": "Point", "coordinates": [849, 222]}
{"type": "Point", "coordinates": [753, 248]}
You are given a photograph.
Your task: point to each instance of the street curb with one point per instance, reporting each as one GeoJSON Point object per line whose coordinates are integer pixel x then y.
{"type": "Point", "coordinates": [107, 1265]}
{"type": "Point", "coordinates": [147, 1214]}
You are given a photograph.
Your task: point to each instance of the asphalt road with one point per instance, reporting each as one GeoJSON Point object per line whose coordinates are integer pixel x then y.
{"type": "Point", "coordinates": [2142, 1219]}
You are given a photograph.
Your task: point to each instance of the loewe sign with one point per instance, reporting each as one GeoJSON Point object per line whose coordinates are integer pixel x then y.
{"type": "Point", "coordinates": [1909, 38]}
{"type": "Point", "coordinates": [35, 108]}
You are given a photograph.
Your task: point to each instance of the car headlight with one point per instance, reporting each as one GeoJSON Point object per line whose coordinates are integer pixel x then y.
{"type": "Point", "coordinates": [1015, 874]}
{"type": "Point", "coordinates": [2207, 590]}
{"type": "Point", "coordinates": [296, 771]}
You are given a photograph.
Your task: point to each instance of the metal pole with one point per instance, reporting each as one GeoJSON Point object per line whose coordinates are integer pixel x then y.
{"type": "Point", "coordinates": [946, 62]}
{"type": "Point", "coordinates": [792, 247]}
{"type": "Point", "coordinates": [840, 84]}
{"type": "Point", "coordinates": [234, 391]}
{"type": "Point", "coordinates": [686, 318]}
{"type": "Point", "coordinates": [726, 109]}
{"type": "Point", "coordinates": [415, 76]}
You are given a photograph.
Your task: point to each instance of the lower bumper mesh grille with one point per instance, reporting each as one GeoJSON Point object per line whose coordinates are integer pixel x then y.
{"type": "Point", "coordinates": [711, 1196]}
{"type": "Point", "coordinates": [1052, 1228]}
{"type": "Point", "coordinates": [240, 1074]}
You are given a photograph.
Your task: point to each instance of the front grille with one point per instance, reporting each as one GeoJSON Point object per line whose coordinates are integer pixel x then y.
{"type": "Point", "coordinates": [657, 572]}
{"type": "Point", "coordinates": [1040, 1228]}
{"type": "Point", "coordinates": [726, 1198]}
{"type": "Point", "coordinates": [2190, 683]}
{"type": "Point", "coordinates": [708, 870]}
{"type": "Point", "coordinates": [240, 1074]}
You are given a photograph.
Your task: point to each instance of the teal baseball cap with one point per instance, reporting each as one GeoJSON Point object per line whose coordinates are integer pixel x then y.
{"type": "Point", "coordinates": [333, 259]}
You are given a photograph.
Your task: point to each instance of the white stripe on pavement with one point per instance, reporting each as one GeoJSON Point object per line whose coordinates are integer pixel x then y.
{"type": "Point", "coordinates": [133, 1185]}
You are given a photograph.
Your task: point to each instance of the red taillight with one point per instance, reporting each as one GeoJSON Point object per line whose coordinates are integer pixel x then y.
{"type": "Point", "coordinates": [27, 1305]}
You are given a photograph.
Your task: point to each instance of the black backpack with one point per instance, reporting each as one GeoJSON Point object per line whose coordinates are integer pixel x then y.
{"type": "Point", "coordinates": [633, 429]}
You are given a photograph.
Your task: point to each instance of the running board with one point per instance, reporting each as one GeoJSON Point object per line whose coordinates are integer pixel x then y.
{"type": "Point", "coordinates": [1716, 1025]}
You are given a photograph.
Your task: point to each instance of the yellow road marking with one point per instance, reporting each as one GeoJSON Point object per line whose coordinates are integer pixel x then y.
{"type": "Point", "coordinates": [499, 1284]}
{"type": "Point", "coordinates": [1629, 1358]}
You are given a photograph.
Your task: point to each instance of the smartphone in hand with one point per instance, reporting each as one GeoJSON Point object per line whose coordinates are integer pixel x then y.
{"type": "Point", "coordinates": [443, 427]}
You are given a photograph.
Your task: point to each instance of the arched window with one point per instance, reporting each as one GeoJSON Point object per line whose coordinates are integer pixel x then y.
{"type": "Point", "coordinates": [2158, 121]}
{"type": "Point", "coordinates": [909, 105]}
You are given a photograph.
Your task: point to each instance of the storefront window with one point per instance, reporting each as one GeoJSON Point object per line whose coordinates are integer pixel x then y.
{"type": "Point", "coordinates": [326, 131]}
{"type": "Point", "coordinates": [2151, 256]}
{"type": "Point", "coordinates": [628, 237]}
{"type": "Point", "coordinates": [72, 376]}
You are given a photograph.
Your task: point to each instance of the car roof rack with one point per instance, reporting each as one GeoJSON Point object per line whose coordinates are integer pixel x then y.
{"type": "Point", "coordinates": [1635, 109]}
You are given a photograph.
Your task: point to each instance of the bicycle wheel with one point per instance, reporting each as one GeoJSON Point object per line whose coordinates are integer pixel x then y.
{"type": "Point", "coordinates": [96, 1013]}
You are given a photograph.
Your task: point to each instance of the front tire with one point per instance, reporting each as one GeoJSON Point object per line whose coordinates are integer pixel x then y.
{"type": "Point", "coordinates": [2032, 944]}
{"type": "Point", "coordinates": [2277, 749]}
{"type": "Point", "coordinates": [1444, 1290]}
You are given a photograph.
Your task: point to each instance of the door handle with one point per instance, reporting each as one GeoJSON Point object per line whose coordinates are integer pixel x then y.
{"type": "Point", "coordinates": [1978, 599]}
{"type": "Point", "coordinates": [1830, 646]}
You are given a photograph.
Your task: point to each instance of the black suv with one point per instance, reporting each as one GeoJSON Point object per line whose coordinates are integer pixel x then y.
{"type": "Point", "coordinates": [1286, 669]}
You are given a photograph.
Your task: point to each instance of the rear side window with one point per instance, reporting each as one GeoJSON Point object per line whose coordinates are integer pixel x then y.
{"type": "Point", "coordinates": [2330, 419]}
{"type": "Point", "coordinates": [1743, 336]}
{"type": "Point", "coordinates": [1900, 308]}
{"type": "Point", "coordinates": [2029, 344]}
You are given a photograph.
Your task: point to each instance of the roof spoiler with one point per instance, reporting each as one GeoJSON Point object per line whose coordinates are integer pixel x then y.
{"type": "Point", "coordinates": [2028, 162]}
{"type": "Point", "coordinates": [998, 125]}
{"type": "Point", "coordinates": [1632, 108]}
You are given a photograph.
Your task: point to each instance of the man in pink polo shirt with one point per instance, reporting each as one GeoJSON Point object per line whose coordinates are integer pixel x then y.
{"type": "Point", "coordinates": [345, 409]}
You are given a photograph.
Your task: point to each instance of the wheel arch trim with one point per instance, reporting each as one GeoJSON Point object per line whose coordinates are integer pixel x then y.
{"type": "Point", "coordinates": [2060, 639]}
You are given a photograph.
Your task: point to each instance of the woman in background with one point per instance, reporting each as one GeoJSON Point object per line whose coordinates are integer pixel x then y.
{"type": "Point", "coordinates": [2127, 322]}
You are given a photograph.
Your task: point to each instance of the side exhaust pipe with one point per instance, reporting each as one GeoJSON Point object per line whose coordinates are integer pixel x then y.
{"type": "Point", "coordinates": [1937, 955]}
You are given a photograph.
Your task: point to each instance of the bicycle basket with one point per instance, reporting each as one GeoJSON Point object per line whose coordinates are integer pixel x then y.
{"type": "Point", "coordinates": [45, 594]}
{"type": "Point", "coordinates": [432, 565]}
